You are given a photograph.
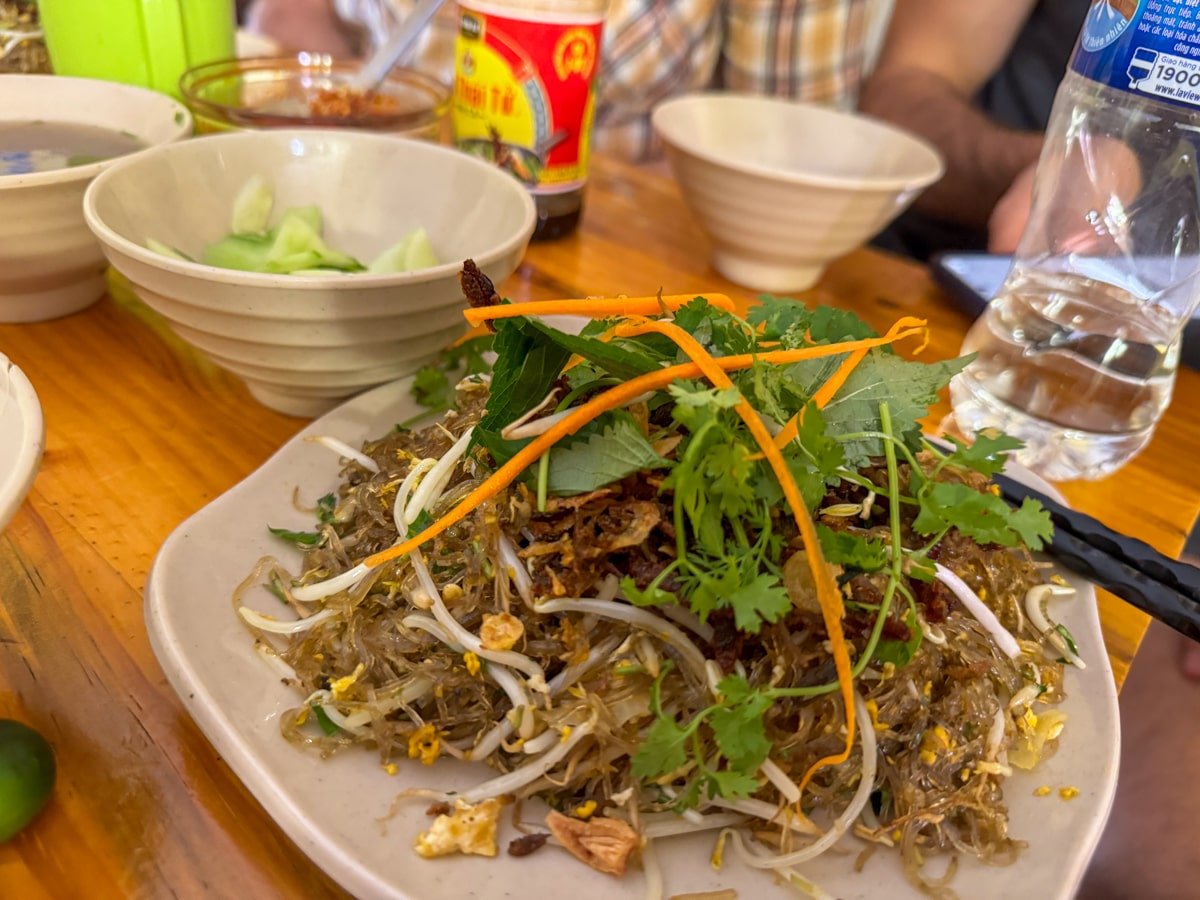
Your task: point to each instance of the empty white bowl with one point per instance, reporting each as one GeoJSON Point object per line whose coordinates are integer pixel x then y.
{"type": "Point", "coordinates": [783, 188]}
{"type": "Point", "coordinates": [302, 343]}
{"type": "Point", "coordinates": [50, 264]}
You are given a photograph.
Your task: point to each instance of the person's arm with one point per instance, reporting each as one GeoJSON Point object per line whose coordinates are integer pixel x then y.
{"type": "Point", "coordinates": [302, 25]}
{"type": "Point", "coordinates": [937, 56]}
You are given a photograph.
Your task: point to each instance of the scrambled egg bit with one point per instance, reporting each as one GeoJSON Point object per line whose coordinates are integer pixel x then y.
{"type": "Point", "coordinates": [469, 829]}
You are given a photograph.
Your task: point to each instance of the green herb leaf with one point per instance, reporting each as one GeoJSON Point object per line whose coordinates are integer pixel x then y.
{"type": "Point", "coordinates": [527, 365]}
{"type": "Point", "coordinates": [300, 538]}
{"type": "Point", "coordinates": [984, 517]}
{"type": "Point", "coordinates": [762, 599]}
{"type": "Point", "coordinates": [1068, 637]}
{"type": "Point", "coordinates": [421, 522]}
{"type": "Point", "coordinates": [662, 750]}
{"type": "Point", "coordinates": [431, 388]}
{"type": "Point", "coordinates": [739, 731]}
{"type": "Point", "coordinates": [624, 360]}
{"type": "Point", "coordinates": [325, 509]}
{"type": "Point", "coordinates": [275, 586]}
{"type": "Point", "coordinates": [901, 653]}
{"type": "Point", "coordinates": [730, 784]}
{"type": "Point", "coordinates": [907, 387]}
{"type": "Point", "coordinates": [1031, 521]}
{"type": "Point", "coordinates": [618, 450]}
{"type": "Point", "coordinates": [652, 596]}
{"type": "Point", "coordinates": [854, 551]}
{"type": "Point", "coordinates": [986, 455]}
{"type": "Point", "coordinates": [324, 721]}
{"type": "Point", "coordinates": [825, 453]}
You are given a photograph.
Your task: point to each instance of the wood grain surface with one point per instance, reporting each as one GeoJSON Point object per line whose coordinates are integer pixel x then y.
{"type": "Point", "coordinates": [142, 432]}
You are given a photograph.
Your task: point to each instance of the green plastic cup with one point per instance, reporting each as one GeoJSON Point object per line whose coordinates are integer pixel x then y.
{"type": "Point", "coordinates": [145, 42]}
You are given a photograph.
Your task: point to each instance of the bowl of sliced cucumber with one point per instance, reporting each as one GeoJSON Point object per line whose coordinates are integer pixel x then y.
{"type": "Point", "coordinates": [313, 264]}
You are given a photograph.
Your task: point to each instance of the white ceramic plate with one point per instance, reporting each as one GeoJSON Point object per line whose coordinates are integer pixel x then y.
{"type": "Point", "coordinates": [330, 808]}
{"type": "Point", "coordinates": [22, 437]}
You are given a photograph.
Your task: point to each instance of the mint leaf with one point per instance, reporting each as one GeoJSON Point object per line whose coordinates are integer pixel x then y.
{"type": "Point", "coordinates": [662, 749]}
{"type": "Point", "coordinates": [1032, 523]}
{"type": "Point", "coordinates": [300, 538]}
{"type": "Point", "coordinates": [618, 450]}
{"type": "Point", "coordinates": [854, 551]}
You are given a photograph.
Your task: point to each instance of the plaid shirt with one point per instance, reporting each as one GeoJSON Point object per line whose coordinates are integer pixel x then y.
{"type": "Point", "coordinates": [653, 49]}
{"type": "Point", "coordinates": [814, 50]}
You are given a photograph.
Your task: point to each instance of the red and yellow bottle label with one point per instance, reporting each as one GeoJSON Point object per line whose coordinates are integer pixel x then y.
{"type": "Point", "coordinates": [523, 94]}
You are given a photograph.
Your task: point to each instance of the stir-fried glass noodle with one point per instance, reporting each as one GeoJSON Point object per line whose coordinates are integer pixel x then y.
{"type": "Point", "coordinates": [634, 627]}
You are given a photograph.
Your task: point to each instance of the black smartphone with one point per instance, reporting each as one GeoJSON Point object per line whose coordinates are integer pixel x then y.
{"type": "Point", "coordinates": [970, 280]}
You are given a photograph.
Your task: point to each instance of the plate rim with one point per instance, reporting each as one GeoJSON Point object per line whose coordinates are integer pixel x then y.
{"type": "Point", "coordinates": [347, 870]}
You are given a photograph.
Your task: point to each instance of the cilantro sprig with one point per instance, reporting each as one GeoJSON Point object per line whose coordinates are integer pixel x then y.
{"type": "Point", "coordinates": [734, 723]}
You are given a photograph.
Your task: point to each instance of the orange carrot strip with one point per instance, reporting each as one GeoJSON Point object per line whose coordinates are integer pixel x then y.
{"type": "Point", "coordinates": [597, 308]}
{"type": "Point", "coordinates": [828, 594]}
{"type": "Point", "coordinates": [902, 328]}
{"type": "Point", "coordinates": [601, 403]}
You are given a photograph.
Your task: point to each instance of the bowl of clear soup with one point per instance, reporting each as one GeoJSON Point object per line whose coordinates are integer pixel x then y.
{"type": "Point", "coordinates": [56, 135]}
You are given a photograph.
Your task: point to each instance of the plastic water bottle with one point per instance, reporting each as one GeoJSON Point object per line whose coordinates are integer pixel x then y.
{"type": "Point", "coordinates": [1077, 354]}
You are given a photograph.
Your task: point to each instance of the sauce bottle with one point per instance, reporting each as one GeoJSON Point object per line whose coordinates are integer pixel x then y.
{"type": "Point", "coordinates": [523, 96]}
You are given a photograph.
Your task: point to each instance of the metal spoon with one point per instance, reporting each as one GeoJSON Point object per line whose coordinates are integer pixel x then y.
{"type": "Point", "coordinates": [390, 54]}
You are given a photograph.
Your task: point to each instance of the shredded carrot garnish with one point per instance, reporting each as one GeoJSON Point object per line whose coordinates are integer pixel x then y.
{"type": "Point", "coordinates": [601, 403]}
{"type": "Point", "coordinates": [904, 327]}
{"type": "Point", "coordinates": [828, 595]}
{"type": "Point", "coordinates": [596, 308]}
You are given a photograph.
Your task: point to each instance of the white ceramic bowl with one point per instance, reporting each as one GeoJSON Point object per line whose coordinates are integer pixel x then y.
{"type": "Point", "coordinates": [50, 264]}
{"type": "Point", "coordinates": [22, 437]}
{"type": "Point", "coordinates": [304, 343]}
{"type": "Point", "coordinates": [783, 188]}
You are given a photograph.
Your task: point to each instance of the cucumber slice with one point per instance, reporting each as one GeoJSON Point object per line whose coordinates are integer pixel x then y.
{"type": "Point", "coordinates": [410, 253]}
{"type": "Point", "coordinates": [252, 207]}
{"type": "Point", "coordinates": [166, 250]}
{"type": "Point", "coordinates": [27, 773]}
{"type": "Point", "coordinates": [298, 246]}
{"type": "Point", "coordinates": [244, 252]}
{"type": "Point", "coordinates": [311, 215]}
{"type": "Point", "coordinates": [317, 271]}
{"type": "Point", "coordinates": [393, 259]}
{"type": "Point", "coordinates": [420, 252]}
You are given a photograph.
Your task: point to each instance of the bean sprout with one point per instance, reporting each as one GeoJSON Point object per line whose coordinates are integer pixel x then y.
{"type": "Point", "coordinates": [344, 449]}
{"type": "Point", "coordinates": [1006, 642]}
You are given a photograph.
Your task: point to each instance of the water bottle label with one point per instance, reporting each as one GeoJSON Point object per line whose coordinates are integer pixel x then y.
{"type": "Point", "coordinates": [1148, 47]}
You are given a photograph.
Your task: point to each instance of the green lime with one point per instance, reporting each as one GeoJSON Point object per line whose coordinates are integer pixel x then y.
{"type": "Point", "coordinates": [26, 776]}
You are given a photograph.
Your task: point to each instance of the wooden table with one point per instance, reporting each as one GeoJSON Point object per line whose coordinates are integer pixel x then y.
{"type": "Point", "coordinates": [142, 432]}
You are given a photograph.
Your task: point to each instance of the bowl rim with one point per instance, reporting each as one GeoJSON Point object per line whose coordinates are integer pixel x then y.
{"type": "Point", "coordinates": [293, 65]}
{"type": "Point", "coordinates": [361, 280]}
{"type": "Point", "coordinates": [846, 182]}
{"type": "Point", "coordinates": [182, 118]}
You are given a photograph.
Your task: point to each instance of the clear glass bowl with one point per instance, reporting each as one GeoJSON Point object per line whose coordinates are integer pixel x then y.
{"type": "Point", "coordinates": [276, 92]}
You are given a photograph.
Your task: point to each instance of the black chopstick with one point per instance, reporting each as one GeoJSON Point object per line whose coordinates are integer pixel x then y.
{"type": "Point", "coordinates": [1165, 588]}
